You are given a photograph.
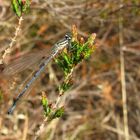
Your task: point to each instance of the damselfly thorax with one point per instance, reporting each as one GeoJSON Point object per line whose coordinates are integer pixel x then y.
{"type": "Point", "coordinates": [23, 63]}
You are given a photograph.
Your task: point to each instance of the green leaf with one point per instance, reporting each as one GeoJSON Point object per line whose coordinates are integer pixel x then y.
{"type": "Point", "coordinates": [64, 87]}
{"type": "Point", "coordinates": [20, 7]}
{"type": "Point", "coordinates": [46, 106]}
{"type": "Point", "coordinates": [26, 6]}
{"type": "Point", "coordinates": [58, 113]}
{"type": "Point", "coordinates": [47, 111]}
{"type": "Point", "coordinates": [16, 8]}
{"type": "Point", "coordinates": [66, 58]}
{"type": "Point", "coordinates": [20, 2]}
{"type": "Point", "coordinates": [44, 101]}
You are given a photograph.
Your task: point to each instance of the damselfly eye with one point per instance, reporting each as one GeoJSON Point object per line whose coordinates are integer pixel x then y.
{"type": "Point", "coordinates": [68, 37]}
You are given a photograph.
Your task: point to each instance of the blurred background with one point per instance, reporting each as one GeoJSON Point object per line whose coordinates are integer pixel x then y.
{"type": "Point", "coordinates": [104, 101]}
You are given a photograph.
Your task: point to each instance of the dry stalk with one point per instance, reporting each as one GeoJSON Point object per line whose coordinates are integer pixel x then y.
{"type": "Point", "coordinates": [9, 49]}
{"type": "Point", "coordinates": [123, 82]}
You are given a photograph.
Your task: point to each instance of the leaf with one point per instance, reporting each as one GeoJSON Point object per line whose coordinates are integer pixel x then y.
{"type": "Point", "coordinates": [26, 6]}
{"type": "Point", "coordinates": [58, 113]}
{"type": "Point", "coordinates": [20, 6]}
{"type": "Point", "coordinates": [45, 105]}
{"type": "Point", "coordinates": [64, 87]}
{"type": "Point", "coordinates": [44, 101]}
{"type": "Point", "coordinates": [16, 7]}
{"type": "Point", "coordinates": [20, 2]}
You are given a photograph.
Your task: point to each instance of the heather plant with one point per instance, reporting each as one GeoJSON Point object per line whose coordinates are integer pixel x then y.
{"type": "Point", "coordinates": [67, 61]}
{"type": "Point", "coordinates": [78, 50]}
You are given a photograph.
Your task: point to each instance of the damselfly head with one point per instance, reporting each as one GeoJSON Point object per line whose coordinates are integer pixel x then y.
{"type": "Point", "coordinates": [68, 36]}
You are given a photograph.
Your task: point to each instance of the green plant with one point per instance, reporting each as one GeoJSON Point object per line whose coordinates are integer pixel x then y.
{"type": "Point", "coordinates": [20, 6]}
{"type": "Point", "coordinates": [79, 50]}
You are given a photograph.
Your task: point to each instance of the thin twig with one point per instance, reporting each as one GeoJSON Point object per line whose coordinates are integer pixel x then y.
{"type": "Point", "coordinates": [25, 131]}
{"type": "Point", "coordinates": [123, 83]}
{"type": "Point", "coordinates": [38, 132]}
{"type": "Point", "coordinates": [9, 49]}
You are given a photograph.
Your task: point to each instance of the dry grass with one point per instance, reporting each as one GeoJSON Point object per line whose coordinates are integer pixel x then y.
{"type": "Point", "coordinates": [104, 103]}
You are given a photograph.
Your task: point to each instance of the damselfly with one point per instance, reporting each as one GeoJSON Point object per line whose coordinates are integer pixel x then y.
{"type": "Point", "coordinates": [60, 45]}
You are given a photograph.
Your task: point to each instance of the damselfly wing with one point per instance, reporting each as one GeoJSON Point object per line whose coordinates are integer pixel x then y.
{"type": "Point", "coordinates": [24, 62]}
